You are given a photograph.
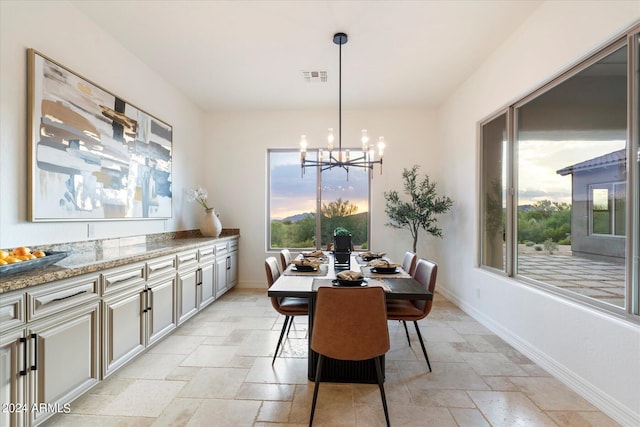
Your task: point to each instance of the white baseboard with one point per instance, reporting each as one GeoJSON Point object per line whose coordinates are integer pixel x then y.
{"type": "Point", "coordinates": [613, 408]}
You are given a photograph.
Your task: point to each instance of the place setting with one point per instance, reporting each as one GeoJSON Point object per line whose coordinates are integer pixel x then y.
{"type": "Point", "coordinates": [381, 268]}
{"type": "Point", "coordinates": [350, 279]}
{"type": "Point", "coordinates": [307, 266]}
{"type": "Point", "coordinates": [364, 257]}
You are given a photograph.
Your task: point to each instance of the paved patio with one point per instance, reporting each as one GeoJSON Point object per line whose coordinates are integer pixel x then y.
{"type": "Point", "coordinates": [603, 281]}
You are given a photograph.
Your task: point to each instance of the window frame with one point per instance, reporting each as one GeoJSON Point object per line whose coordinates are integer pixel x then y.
{"type": "Point", "coordinates": [318, 204]}
{"type": "Point", "coordinates": [631, 311]}
{"type": "Point", "coordinates": [612, 191]}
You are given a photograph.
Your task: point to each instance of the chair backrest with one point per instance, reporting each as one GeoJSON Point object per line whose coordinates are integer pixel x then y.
{"type": "Point", "coordinates": [425, 274]}
{"type": "Point", "coordinates": [350, 323]}
{"type": "Point", "coordinates": [409, 262]}
{"type": "Point", "coordinates": [272, 270]}
{"type": "Point", "coordinates": [285, 259]}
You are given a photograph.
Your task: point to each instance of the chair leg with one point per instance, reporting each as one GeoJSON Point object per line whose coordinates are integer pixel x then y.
{"type": "Point", "coordinates": [424, 350]}
{"type": "Point", "coordinates": [284, 328]}
{"type": "Point", "coordinates": [289, 328]}
{"type": "Point", "coordinates": [406, 331]}
{"type": "Point", "coordinates": [381, 386]}
{"type": "Point", "coordinates": [315, 389]}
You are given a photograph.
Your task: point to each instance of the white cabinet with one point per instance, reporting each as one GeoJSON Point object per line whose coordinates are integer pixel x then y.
{"type": "Point", "coordinates": [123, 322]}
{"type": "Point", "coordinates": [63, 359]}
{"type": "Point", "coordinates": [188, 282]}
{"type": "Point", "coordinates": [49, 348]}
{"type": "Point", "coordinates": [160, 314]}
{"type": "Point", "coordinates": [227, 266]}
{"type": "Point", "coordinates": [59, 339]}
{"type": "Point", "coordinates": [161, 298]}
{"type": "Point", "coordinates": [232, 266]}
{"type": "Point", "coordinates": [207, 279]}
{"type": "Point", "coordinates": [13, 371]}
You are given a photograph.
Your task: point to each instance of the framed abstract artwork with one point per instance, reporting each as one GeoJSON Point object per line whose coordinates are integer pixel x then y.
{"type": "Point", "coordinates": [92, 155]}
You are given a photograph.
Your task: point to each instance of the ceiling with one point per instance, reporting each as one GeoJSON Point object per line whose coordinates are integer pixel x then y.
{"type": "Point", "coordinates": [250, 55]}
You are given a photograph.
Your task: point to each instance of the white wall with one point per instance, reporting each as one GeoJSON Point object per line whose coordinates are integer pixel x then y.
{"type": "Point", "coordinates": [61, 32]}
{"type": "Point", "coordinates": [237, 167]}
{"type": "Point", "coordinates": [594, 353]}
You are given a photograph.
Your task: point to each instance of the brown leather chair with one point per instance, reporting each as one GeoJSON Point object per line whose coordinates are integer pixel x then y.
{"type": "Point", "coordinates": [350, 324]}
{"type": "Point", "coordinates": [287, 306]}
{"type": "Point", "coordinates": [414, 310]}
{"type": "Point", "coordinates": [285, 259]}
{"type": "Point", "coordinates": [409, 262]}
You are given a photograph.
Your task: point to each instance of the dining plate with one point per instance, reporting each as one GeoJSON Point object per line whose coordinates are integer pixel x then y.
{"type": "Point", "coordinates": [305, 268]}
{"type": "Point", "coordinates": [371, 258]}
{"type": "Point", "coordinates": [342, 282]}
{"type": "Point", "coordinates": [384, 270]}
{"type": "Point", "coordinates": [38, 263]}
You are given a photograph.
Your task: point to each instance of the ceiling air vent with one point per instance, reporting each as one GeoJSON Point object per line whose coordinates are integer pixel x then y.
{"type": "Point", "coordinates": [315, 76]}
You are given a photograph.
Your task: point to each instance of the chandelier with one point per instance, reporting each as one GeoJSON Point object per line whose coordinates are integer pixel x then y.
{"type": "Point", "coordinates": [340, 158]}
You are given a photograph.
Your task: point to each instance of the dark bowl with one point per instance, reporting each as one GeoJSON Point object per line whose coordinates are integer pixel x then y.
{"type": "Point", "coordinates": [304, 267]}
{"type": "Point", "coordinates": [385, 270]}
{"type": "Point", "coordinates": [371, 257]}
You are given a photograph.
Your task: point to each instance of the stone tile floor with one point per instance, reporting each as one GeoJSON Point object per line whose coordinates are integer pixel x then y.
{"type": "Point", "coordinates": [603, 281]}
{"type": "Point", "coordinates": [215, 370]}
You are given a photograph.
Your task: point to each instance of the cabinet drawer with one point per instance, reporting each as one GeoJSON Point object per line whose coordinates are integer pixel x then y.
{"type": "Point", "coordinates": [221, 250]}
{"type": "Point", "coordinates": [12, 312]}
{"type": "Point", "coordinates": [60, 296]}
{"type": "Point", "coordinates": [206, 254]}
{"type": "Point", "coordinates": [161, 266]}
{"type": "Point", "coordinates": [121, 278]}
{"type": "Point", "coordinates": [187, 259]}
{"type": "Point", "coordinates": [233, 245]}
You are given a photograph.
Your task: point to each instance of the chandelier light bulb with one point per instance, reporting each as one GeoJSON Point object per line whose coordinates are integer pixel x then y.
{"type": "Point", "coordinates": [365, 140]}
{"type": "Point", "coordinates": [381, 146]}
{"type": "Point", "coordinates": [303, 143]}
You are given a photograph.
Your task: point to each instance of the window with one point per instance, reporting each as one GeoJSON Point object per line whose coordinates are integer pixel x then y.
{"type": "Point", "coordinates": [494, 184]}
{"type": "Point", "coordinates": [607, 208]}
{"type": "Point", "coordinates": [305, 205]}
{"type": "Point", "coordinates": [555, 178]}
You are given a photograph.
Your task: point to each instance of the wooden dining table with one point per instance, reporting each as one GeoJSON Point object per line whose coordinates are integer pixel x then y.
{"type": "Point", "coordinates": [292, 283]}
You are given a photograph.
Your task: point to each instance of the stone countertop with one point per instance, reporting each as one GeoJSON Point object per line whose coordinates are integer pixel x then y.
{"type": "Point", "coordinates": [97, 255]}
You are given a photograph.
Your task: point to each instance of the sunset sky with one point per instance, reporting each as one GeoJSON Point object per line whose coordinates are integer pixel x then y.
{"type": "Point", "coordinates": [292, 194]}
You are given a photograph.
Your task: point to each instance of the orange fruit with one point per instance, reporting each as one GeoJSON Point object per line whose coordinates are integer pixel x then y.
{"type": "Point", "coordinates": [20, 251]}
{"type": "Point", "coordinates": [11, 260]}
{"type": "Point", "coordinates": [3, 262]}
{"type": "Point", "coordinates": [3, 254]}
{"type": "Point", "coordinates": [39, 254]}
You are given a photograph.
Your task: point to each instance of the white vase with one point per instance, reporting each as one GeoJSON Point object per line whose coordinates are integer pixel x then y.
{"type": "Point", "coordinates": [210, 225]}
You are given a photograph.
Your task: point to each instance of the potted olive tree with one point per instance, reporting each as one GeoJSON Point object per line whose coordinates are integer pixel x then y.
{"type": "Point", "coordinates": [421, 209]}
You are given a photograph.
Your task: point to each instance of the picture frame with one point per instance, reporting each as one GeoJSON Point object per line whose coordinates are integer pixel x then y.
{"type": "Point", "coordinates": [92, 155]}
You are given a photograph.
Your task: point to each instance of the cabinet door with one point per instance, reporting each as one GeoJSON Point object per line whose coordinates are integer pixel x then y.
{"type": "Point", "coordinates": [187, 294]}
{"type": "Point", "coordinates": [161, 308]}
{"type": "Point", "coordinates": [122, 328]}
{"type": "Point", "coordinates": [63, 358]}
{"type": "Point", "coordinates": [232, 270]}
{"type": "Point", "coordinates": [12, 381]}
{"type": "Point", "coordinates": [207, 284]}
{"type": "Point", "coordinates": [221, 276]}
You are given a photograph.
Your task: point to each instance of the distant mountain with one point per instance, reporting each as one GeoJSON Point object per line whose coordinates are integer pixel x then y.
{"type": "Point", "coordinates": [296, 217]}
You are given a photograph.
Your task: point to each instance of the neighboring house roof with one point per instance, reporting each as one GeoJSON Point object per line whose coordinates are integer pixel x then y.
{"type": "Point", "coordinates": [611, 159]}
